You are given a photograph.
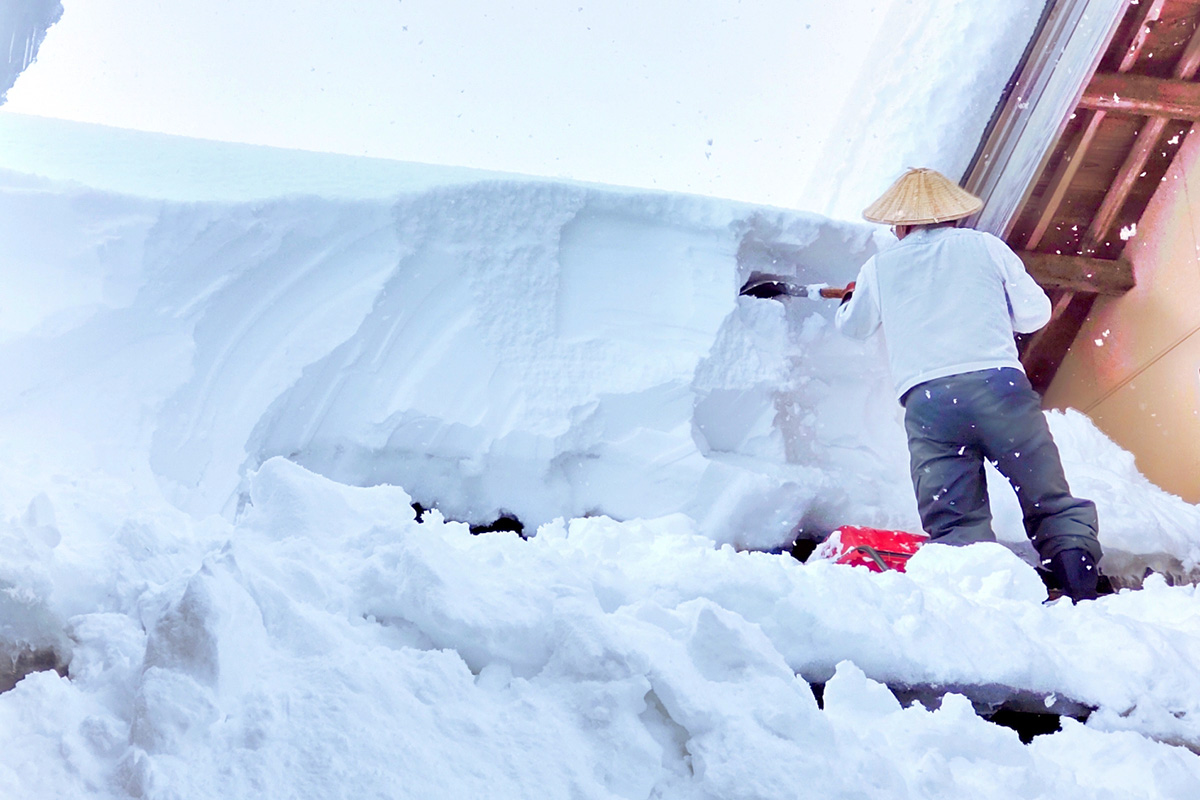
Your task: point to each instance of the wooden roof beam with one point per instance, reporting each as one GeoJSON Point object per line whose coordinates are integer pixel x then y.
{"type": "Point", "coordinates": [1170, 98]}
{"type": "Point", "coordinates": [1060, 181]}
{"type": "Point", "coordinates": [1070, 41]}
{"type": "Point", "coordinates": [1135, 163]}
{"type": "Point", "coordinates": [1148, 13]}
{"type": "Point", "coordinates": [1099, 276]}
{"type": "Point", "coordinates": [1073, 157]}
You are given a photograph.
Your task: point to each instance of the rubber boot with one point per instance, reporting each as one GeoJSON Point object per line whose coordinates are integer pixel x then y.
{"type": "Point", "coordinates": [1076, 573]}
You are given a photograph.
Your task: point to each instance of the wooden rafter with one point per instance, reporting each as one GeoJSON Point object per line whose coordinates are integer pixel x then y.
{"type": "Point", "coordinates": [1111, 152]}
{"type": "Point", "coordinates": [1079, 274]}
{"type": "Point", "coordinates": [1061, 180]}
{"type": "Point", "coordinates": [1075, 281]}
{"type": "Point", "coordinates": [1071, 38]}
{"type": "Point", "coordinates": [1143, 96]}
{"type": "Point", "coordinates": [1150, 12]}
{"type": "Point", "coordinates": [1074, 156]}
{"type": "Point", "coordinates": [1135, 163]}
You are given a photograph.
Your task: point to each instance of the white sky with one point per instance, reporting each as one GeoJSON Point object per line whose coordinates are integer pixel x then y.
{"type": "Point", "coordinates": [722, 97]}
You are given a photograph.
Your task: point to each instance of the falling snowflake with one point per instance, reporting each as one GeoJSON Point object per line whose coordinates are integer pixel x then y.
{"type": "Point", "coordinates": [1129, 232]}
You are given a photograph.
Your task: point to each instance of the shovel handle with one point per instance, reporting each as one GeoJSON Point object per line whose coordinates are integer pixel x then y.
{"type": "Point", "coordinates": [832, 292]}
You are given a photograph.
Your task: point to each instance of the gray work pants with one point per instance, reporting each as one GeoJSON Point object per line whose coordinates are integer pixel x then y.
{"type": "Point", "coordinates": [953, 424]}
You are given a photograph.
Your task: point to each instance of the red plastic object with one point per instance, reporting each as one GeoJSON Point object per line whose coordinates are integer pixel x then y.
{"type": "Point", "coordinates": [875, 549]}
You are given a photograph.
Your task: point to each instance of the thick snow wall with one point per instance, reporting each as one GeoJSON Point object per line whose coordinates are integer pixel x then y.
{"type": "Point", "coordinates": [513, 346]}
{"type": "Point", "coordinates": [23, 25]}
{"type": "Point", "coordinates": [518, 347]}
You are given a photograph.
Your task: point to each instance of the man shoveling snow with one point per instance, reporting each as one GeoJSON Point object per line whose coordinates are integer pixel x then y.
{"type": "Point", "coordinates": [950, 300]}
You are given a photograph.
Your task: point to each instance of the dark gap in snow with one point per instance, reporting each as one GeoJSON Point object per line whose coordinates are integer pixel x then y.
{"type": "Point", "coordinates": [801, 549]}
{"type": "Point", "coordinates": [1028, 713]}
{"type": "Point", "coordinates": [807, 536]}
{"type": "Point", "coordinates": [31, 637]}
{"type": "Point", "coordinates": [505, 523]}
{"type": "Point", "coordinates": [27, 662]}
{"type": "Point", "coordinates": [818, 690]}
{"type": "Point", "coordinates": [1027, 724]}
{"type": "Point", "coordinates": [817, 524]}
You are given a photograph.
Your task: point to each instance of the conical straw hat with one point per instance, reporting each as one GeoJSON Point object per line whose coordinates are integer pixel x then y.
{"type": "Point", "coordinates": [922, 196]}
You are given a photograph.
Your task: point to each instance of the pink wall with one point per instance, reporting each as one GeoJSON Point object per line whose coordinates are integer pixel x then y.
{"type": "Point", "coordinates": [1135, 366]}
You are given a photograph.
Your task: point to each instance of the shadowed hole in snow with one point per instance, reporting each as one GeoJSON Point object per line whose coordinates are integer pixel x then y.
{"type": "Point", "coordinates": [1029, 716]}
{"type": "Point", "coordinates": [1026, 713]}
{"type": "Point", "coordinates": [31, 638]}
{"type": "Point", "coordinates": [505, 523]}
{"type": "Point", "coordinates": [26, 662]}
{"type": "Point", "coordinates": [1027, 724]}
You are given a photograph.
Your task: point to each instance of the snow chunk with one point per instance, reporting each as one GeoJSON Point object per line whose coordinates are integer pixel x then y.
{"type": "Point", "coordinates": [851, 694]}
{"type": "Point", "coordinates": [985, 570]}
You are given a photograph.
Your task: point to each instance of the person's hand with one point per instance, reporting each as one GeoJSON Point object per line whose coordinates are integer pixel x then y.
{"type": "Point", "coordinates": [848, 292]}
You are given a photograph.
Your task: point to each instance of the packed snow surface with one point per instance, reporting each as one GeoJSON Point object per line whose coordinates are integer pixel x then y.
{"type": "Point", "coordinates": [210, 405]}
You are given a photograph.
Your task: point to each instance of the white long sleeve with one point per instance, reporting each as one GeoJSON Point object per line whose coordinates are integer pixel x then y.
{"type": "Point", "coordinates": [1029, 307]}
{"type": "Point", "coordinates": [860, 316]}
{"type": "Point", "coordinates": [949, 300]}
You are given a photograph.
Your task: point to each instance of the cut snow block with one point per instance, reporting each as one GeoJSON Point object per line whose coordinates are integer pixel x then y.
{"type": "Point", "coordinates": [877, 550]}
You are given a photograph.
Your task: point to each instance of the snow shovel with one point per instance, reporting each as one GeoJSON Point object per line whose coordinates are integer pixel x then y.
{"type": "Point", "coordinates": [762, 284]}
{"type": "Point", "coordinates": [877, 550]}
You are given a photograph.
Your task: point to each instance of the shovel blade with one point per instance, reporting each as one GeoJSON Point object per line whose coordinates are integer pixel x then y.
{"type": "Point", "coordinates": [761, 284]}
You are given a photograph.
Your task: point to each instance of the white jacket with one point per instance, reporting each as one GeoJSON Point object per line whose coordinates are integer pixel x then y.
{"type": "Point", "coordinates": [949, 300]}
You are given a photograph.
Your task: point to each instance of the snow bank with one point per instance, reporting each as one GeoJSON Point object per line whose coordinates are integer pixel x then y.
{"type": "Point", "coordinates": [329, 645]}
{"type": "Point", "coordinates": [1143, 527]}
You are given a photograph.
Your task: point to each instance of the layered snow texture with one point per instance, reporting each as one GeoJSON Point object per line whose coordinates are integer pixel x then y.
{"type": "Point", "coordinates": [531, 348]}
{"type": "Point", "coordinates": [209, 406]}
{"type": "Point", "coordinates": [23, 25]}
